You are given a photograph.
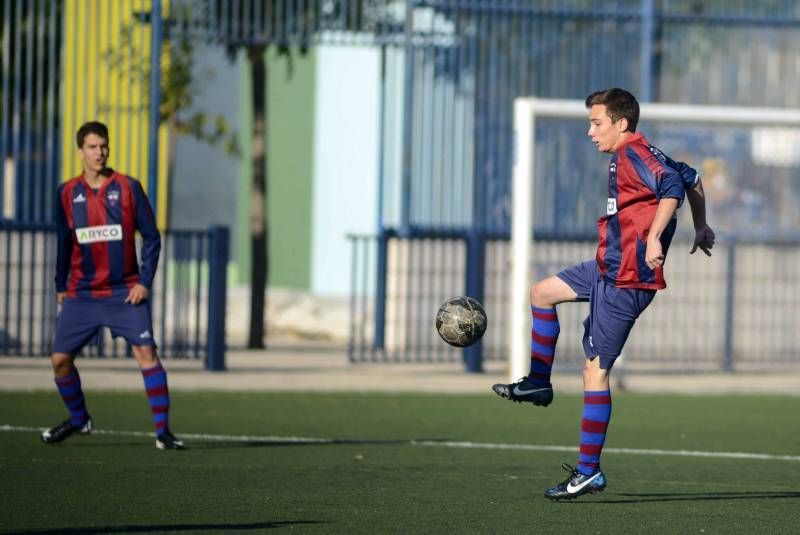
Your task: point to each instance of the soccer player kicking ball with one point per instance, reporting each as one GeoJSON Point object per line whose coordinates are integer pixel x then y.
{"type": "Point", "coordinates": [99, 282]}
{"type": "Point", "coordinates": [645, 188]}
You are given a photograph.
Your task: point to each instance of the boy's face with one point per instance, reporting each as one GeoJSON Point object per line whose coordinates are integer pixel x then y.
{"type": "Point", "coordinates": [94, 153]}
{"type": "Point", "coordinates": [605, 134]}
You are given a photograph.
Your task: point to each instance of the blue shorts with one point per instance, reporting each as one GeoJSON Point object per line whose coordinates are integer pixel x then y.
{"type": "Point", "coordinates": [612, 311]}
{"type": "Point", "coordinates": [80, 321]}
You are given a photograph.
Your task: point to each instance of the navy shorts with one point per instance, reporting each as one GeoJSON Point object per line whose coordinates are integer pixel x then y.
{"type": "Point", "coordinates": [80, 321]}
{"type": "Point", "coordinates": [612, 311]}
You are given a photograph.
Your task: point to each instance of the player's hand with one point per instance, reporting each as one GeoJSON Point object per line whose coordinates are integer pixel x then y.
{"type": "Point", "coordinates": [137, 294]}
{"type": "Point", "coordinates": [654, 256]}
{"type": "Point", "coordinates": [60, 297]}
{"type": "Point", "coordinates": [704, 239]}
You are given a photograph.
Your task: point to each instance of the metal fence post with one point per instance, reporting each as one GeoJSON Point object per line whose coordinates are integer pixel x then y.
{"type": "Point", "coordinates": [155, 104]}
{"type": "Point", "coordinates": [380, 290]}
{"type": "Point", "coordinates": [646, 80]}
{"type": "Point", "coordinates": [218, 238]}
{"type": "Point", "coordinates": [476, 256]}
{"type": "Point", "coordinates": [730, 278]}
{"type": "Point", "coordinates": [408, 117]}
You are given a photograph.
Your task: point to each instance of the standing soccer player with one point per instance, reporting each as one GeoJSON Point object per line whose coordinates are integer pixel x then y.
{"type": "Point", "coordinates": [645, 188]}
{"type": "Point", "coordinates": [99, 281]}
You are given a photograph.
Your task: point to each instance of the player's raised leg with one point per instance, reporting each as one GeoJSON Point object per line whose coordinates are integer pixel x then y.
{"type": "Point", "coordinates": [68, 383]}
{"type": "Point", "coordinates": [155, 384]}
{"type": "Point", "coordinates": [536, 387]}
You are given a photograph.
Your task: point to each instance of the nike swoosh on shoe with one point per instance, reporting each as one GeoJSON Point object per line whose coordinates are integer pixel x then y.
{"type": "Point", "coordinates": [518, 392]}
{"type": "Point", "coordinates": [572, 489]}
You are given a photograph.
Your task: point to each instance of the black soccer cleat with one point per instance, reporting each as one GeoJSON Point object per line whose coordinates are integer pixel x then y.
{"type": "Point", "coordinates": [167, 441]}
{"type": "Point", "coordinates": [577, 484]}
{"type": "Point", "coordinates": [525, 390]}
{"type": "Point", "coordinates": [65, 429]}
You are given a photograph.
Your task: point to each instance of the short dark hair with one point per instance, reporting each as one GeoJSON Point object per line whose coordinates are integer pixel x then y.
{"type": "Point", "coordinates": [619, 103]}
{"type": "Point", "coordinates": [92, 127]}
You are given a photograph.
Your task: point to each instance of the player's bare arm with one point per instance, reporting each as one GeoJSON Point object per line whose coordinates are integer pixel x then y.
{"type": "Point", "coordinates": [654, 256]}
{"type": "Point", "coordinates": [703, 234]}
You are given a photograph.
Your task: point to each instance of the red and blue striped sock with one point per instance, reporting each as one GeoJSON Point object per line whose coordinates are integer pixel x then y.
{"type": "Point", "coordinates": [155, 383]}
{"type": "Point", "coordinates": [72, 394]}
{"type": "Point", "coordinates": [596, 415]}
{"type": "Point", "coordinates": [544, 335]}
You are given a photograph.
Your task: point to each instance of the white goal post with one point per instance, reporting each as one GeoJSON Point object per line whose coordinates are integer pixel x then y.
{"type": "Point", "coordinates": [526, 111]}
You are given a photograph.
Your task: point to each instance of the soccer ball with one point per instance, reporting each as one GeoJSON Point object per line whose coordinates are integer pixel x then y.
{"type": "Point", "coordinates": [461, 321]}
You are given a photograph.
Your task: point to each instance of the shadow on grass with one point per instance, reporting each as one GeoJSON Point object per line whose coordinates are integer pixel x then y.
{"type": "Point", "coordinates": [695, 496]}
{"type": "Point", "coordinates": [176, 527]}
{"type": "Point", "coordinates": [245, 442]}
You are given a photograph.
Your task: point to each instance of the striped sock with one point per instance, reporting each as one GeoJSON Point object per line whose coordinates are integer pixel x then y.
{"type": "Point", "coordinates": [72, 394]}
{"type": "Point", "coordinates": [544, 335]}
{"type": "Point", "coordinates": [596, 414]}
{"type": "Point", "coordinates": [155, 383]}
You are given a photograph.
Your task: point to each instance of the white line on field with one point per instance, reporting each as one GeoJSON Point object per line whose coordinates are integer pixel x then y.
{"type": "Point", "coordinates": [432, 443]}
{"type": "Point", "coordinates": [629, 451]}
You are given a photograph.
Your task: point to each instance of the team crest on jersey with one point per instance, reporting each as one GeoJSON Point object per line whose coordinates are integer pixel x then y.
{"type": "Point", "coordinates": [611, 206]}
{"type": "Point", "coordinates": [112, 197]}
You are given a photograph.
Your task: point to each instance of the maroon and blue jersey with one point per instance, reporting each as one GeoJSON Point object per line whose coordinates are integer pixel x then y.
{"type": "Point", "coordinates": [639, 176]}
{"type": "Point", "coordinates": [97, 238]}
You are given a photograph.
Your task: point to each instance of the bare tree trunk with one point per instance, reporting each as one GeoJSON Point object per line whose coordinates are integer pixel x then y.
{"type": "Point", "coordinates": [259, 263]}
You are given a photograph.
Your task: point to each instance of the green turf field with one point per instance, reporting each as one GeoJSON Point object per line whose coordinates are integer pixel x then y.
{"type": "Point", "coordinates": [399, 464]}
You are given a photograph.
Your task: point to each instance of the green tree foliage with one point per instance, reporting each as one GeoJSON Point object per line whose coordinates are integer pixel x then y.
{"type": "Point", "coordinates": [179, 87]}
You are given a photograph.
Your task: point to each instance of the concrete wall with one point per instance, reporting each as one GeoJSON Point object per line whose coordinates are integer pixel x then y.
{"type": "Point", "coordinates": [345, 161]}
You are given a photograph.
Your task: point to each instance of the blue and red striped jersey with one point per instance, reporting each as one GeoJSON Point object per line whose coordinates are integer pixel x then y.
{"type": "Point", "coordinates": [97, 238]}
{"type": "Point", "coordinates": [639, 176]}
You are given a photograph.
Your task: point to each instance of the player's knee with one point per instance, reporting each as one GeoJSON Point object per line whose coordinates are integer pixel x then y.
{"type": "Point", "coordinates": [145, 355]}
{"type": "Point", "coordinates": [63, 364]}
{"type": "Point", "coordinates": [540, 295]}
{"type": "Point", "coordinates": [594, 377]}
{"type": "Point", "coordinates": [588, 370]}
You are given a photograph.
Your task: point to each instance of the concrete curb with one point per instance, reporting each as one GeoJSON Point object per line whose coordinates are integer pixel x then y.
{"type": "Point", "coordinates": [297, 367]}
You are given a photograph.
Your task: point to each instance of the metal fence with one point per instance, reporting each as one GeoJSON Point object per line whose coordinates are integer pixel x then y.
{"type": "Point", "coordinates": [180, 303]}
{"type": "Point", "coordinates": [447, 153]}
{"type": "Point", "coordinates": [738, 311]}
{"type": "Point", "coordinates": [446, 161]}
{"type": "Point", "coordinates": [450, 70]}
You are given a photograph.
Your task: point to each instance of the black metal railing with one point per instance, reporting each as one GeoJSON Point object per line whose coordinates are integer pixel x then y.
{"type": "Point", "coordinates": [185, 321]}
{"type": "Point", "coordinates": [736, 311]}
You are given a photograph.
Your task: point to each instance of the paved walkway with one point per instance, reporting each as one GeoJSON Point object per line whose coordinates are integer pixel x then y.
{"type": "Point", "coordinates": [302, 366]}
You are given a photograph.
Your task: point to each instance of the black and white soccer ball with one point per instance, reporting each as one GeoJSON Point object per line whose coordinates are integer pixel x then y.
{"type": "Point", "coordinates": [461, 321]}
